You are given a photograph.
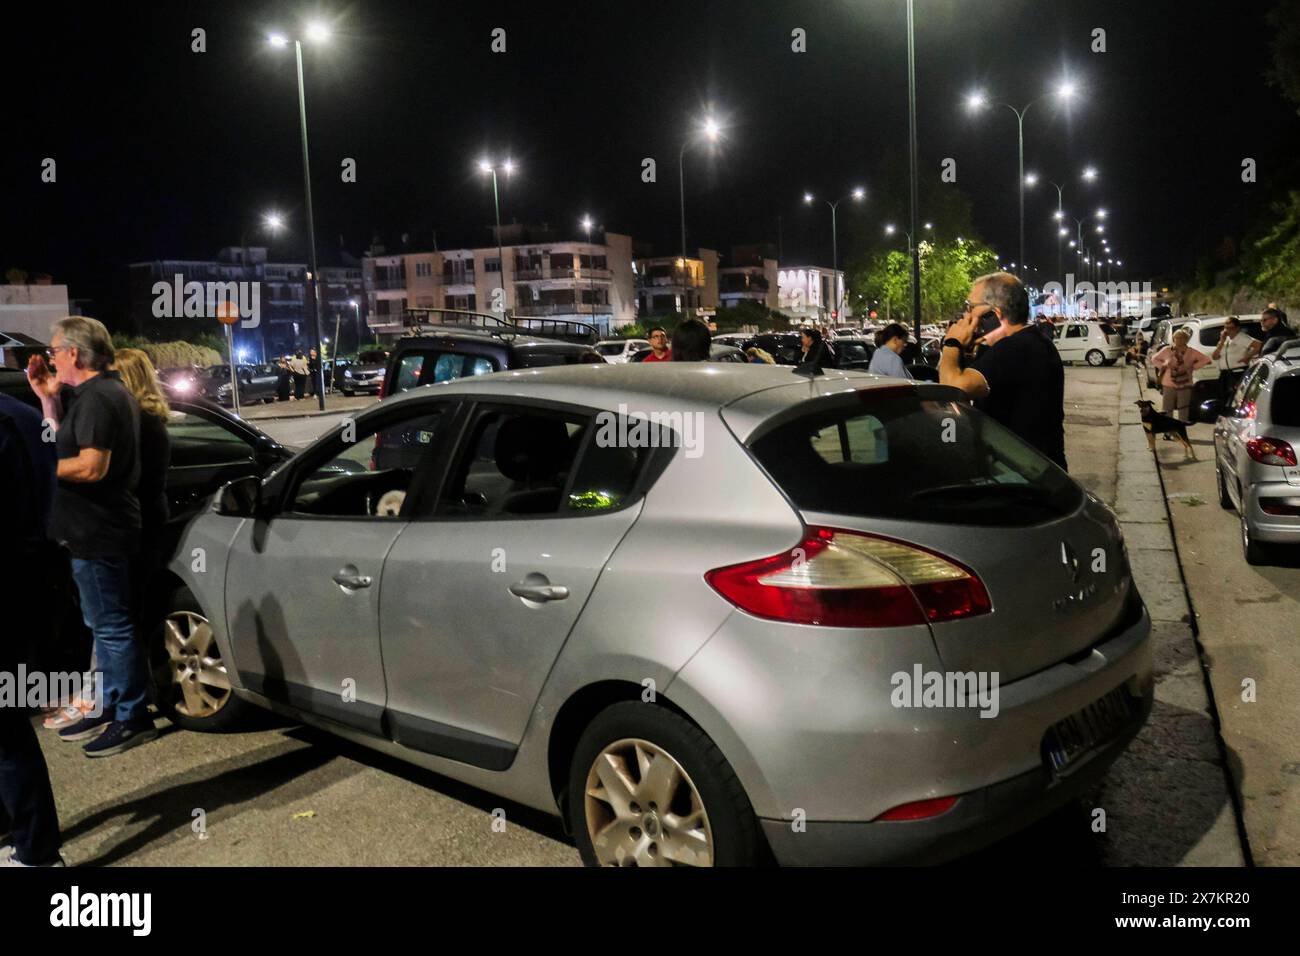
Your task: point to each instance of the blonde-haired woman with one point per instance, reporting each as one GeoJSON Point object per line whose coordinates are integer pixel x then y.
{"type": "Point", "coordinates": [1177, 364]}
{"type": "Point", "coordinates": [138, 375]}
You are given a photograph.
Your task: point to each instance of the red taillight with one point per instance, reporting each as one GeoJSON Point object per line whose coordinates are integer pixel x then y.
{"type": "Point", "coordinates": [920, 809]}
{"type": "Point", "coordinates": [1271, 451]}
{"type": "Point", "coordinates": [837, 578]}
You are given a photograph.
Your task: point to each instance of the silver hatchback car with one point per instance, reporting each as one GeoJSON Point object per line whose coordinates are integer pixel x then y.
{"type": "Point", "coordinates": [1255, 442]}
{"type": "Point", "coordinates": [708, 614]}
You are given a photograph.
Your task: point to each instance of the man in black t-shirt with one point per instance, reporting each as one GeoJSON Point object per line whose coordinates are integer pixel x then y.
{"type": "Point", "coordinates": [97, 517]}
{"type": "Point", "coordinates": [1019, 381]}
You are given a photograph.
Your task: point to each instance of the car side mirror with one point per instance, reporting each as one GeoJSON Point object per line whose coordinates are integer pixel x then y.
{"type": "Point", "coordinates": [239, 498]}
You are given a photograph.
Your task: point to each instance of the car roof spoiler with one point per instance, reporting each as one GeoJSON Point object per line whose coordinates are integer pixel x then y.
{"type": "Point", "coordinates": [564, 330]}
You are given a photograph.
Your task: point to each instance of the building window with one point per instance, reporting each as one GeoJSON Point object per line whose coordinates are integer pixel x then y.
{"type": "Point", "coordinates": [491, 265]}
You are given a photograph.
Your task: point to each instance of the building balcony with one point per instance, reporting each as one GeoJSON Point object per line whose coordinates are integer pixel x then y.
{"type": "Point", "coordinates": [571, 308]}
{"type": "Point", "coordinates": [457, 278]}
{"type": "Point", "coordinates": [387, 283]}
{"type": "Point", "coordinates": [583, 275]}
{"type": "Point", "coordinates": [677, 282]}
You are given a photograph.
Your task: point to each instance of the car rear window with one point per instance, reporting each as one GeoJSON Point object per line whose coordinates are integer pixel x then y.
{"type": "Point", "coordinates": [1285, 407]}
{"type": "Point", "coordinates": [899, 455]}
{"type": "Point", "coordinates": [610, 348]}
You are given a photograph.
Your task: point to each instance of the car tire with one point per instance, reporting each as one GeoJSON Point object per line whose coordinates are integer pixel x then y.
{"type": "Point", "coordinates": [1255, 551]}
{"type": "Point", "coordinates": [182, 657]}
{"type": "Point", "coordinates": [1095, 358]}
{"type": "Point", "coordinates": [699, 781]}
{"type": "Point", "coordinates": [1225, 499]}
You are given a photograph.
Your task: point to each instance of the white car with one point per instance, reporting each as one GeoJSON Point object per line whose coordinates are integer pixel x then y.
{"type": "Point", "coordinates": [1087, 342]}
{"type": "Point", "coordinates": [618, 351]}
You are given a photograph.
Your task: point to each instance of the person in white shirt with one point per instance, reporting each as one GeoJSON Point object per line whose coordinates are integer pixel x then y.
{"type": "Point", "coordinates": [1234, 352]}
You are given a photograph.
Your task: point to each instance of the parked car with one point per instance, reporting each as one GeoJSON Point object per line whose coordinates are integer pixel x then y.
{"type": "Point", "coordinates": [853, 351]}
{"type": "Point", "coordinates": [184, 380]}
{"type": "Point", "coordinates": [495, 608]}
{"type": "Point", "coordinates": [257, 383]}
{"type": "Point", "coordinates": [366, 374]}
{"type": "Point", "coordinates": [1087, 342]}
{"type": "Point", "coordinates": [1255, 442]}
{"type": "Point", "coordinates": [618, 351]}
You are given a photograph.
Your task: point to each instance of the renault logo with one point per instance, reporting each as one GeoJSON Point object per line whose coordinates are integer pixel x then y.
{"type": "Point", "coordinates": [1070, 560]}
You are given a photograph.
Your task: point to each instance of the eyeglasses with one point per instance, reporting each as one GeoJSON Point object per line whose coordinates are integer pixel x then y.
{"type": "Point", "coordinates": [49, 352]}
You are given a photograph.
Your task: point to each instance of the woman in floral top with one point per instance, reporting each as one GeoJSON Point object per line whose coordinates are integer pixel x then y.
{"type": "Point", "coordinates": [1177, 362]}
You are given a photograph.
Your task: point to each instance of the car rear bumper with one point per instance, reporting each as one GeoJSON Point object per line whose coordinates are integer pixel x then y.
{"type": "Point", "coordinates": [978, 819]}
{"type": "Point", "coordinates": [807, 720]}
{"type": "Point", "coordinates": [1273, 528]}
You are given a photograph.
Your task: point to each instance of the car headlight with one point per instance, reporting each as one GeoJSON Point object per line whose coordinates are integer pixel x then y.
{"type": "Point", "coordinates": [347, 374]}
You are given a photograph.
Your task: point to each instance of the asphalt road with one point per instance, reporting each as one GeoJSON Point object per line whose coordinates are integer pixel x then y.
{"type": "Point", "coordinates": [287, 795]}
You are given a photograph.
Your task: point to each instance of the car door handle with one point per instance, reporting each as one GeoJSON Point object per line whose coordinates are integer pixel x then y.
{"type": "Point", "coordinates": [539, 592]}
{"type": "Point", "coordinates": [349, 578]}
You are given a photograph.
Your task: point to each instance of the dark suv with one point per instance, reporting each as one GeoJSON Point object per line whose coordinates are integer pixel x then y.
{"type": "Point", "coordinates": [448, 345]}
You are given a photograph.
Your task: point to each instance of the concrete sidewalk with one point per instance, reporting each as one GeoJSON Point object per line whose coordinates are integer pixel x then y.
{"type": "Point", "coordinates": [1173, 780]}
{"type": "Point", "coordinates": [1245, 622]}
{"type": "Point", "coordinates": [306, 408]}
{"type": "Point", "coordinates": [1166, 799]}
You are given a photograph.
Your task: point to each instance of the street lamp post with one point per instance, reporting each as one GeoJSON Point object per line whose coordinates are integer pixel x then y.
{"type": "Point", "coordinates": [587, 223]}
{"type": "Point", "coordinates": [977, 100]}
{"type": "Point", "coordinates": [709, 130]}
{"type": "Point", "coordinates": [857, 196]}
{"type": "Point", "coordinates": [317, 33]}
{"type": "Point", "coordinates": [272, 222]}
{"type": "Point", "coordinates": [912, 161]}
{"type": "Point", "coordinates": [508, 166]}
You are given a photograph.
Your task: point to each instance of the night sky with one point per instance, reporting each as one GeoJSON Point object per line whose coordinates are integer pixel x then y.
{"type": "Point", "coordinates": [165, 153]}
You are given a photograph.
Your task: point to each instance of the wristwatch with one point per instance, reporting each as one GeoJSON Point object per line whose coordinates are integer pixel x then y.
{"type": "Point", "coordinates": [951, 343]}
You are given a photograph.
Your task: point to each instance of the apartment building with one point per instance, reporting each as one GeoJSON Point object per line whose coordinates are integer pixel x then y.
{"type": "Point", "coordinates": [284, 322]}
{"type": "Point", "coordinates": [810, 293]}
{"type": "Point", "coordinates": [544, 277]}
{"type": "Point", "coordinates": [667, 284]}
{"type": "Point", "coordinates": [752, 281]}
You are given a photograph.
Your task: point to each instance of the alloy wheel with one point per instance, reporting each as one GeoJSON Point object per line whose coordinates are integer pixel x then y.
{"type": "Point", "coordinates": [198, 674]}
{"type": "Point", "coordinates": [643, 809]}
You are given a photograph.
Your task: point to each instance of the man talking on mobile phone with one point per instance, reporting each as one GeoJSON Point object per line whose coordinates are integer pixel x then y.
{"type": "Point", "coordinates": [1019, 381]}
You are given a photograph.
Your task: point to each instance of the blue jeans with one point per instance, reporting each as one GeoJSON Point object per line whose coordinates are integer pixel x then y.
{"type": "Point", "coordinates": [104, 585]}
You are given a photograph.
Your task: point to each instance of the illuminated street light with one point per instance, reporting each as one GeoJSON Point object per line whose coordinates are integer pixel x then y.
{"type": "Point", "coordinates": [976, 100]}
{"type": "Point", "coordinates": [710, 130]}
{"type": "Point", "coordinates": [486, 165]}
{"type": "Point", "coordinates": [857, 195]}
{"type": "Point", "coordinates": [316, 32]}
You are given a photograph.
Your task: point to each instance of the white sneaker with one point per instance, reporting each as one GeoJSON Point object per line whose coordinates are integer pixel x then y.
{"type": "Point", "coordinates": [7, 858]}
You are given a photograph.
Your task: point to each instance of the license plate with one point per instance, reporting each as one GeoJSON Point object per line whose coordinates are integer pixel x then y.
{"type": "Point", "coordinates": [1082, 732]}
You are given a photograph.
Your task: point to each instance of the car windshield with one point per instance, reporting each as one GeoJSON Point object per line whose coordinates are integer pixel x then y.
{"type": "Point", "coordinates": [610, 348]}
{"type": "Point", "coordinates": [905, 457]}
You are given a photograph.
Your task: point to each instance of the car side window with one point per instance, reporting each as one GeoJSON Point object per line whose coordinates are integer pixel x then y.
{"type": "Point", "coordinates": [514, 461]}
{"type": "Point", "coordinates": [373, 473]}
{"type": "Point", "coordinates": [1076, 332]}
{"type": "Point", "coordinates": [198, 442]}
{"type": "Point", "coordinates": [426, 368]}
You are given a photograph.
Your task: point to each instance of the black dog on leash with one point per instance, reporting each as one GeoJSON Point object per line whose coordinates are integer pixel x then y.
{"type": "Point", "coordinates": [1157, 423]}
